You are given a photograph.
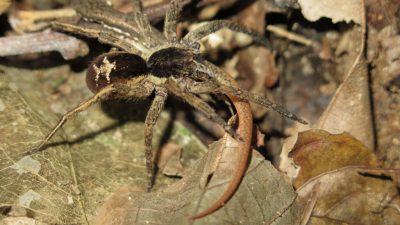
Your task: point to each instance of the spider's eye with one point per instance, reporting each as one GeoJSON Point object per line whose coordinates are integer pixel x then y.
{"type": "Point", "coordinates": [171, 61]}
{"type": "Point", "coordinates": [113, 67]}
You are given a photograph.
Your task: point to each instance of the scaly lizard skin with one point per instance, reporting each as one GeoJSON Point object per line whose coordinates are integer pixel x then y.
{"type": "Point", "coordinates": [245, 128]}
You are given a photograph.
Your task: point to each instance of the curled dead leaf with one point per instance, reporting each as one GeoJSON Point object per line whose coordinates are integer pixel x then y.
{"type": "Point", "coordinates": [317, 152]}
{"type": "Point", "coordinates": [350, 108]}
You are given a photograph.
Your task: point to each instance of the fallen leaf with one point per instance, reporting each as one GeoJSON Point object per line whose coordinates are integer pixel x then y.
{"type": "Point", "coordinates": [337, 10]}
{"type": "Point", "coordinates": [350, 108]}
{"type": "Point", "coordinates": [169, 160]}
{"type": "Point", "coordinates": [4, 5]}
{"type": "Point", "coordinates": [262, 198]}
{"type": "Point", "coordinates": [317, 152]}
{"type": "Point", "coordinates": [93, 155]}
{"type": "Point", "coordinates": [347, 197]}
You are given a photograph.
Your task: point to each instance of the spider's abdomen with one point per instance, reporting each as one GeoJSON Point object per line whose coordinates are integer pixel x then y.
{"type": "Point", "coordinates": [172, 61]}
{"type": "Point", "coordinates": [113, 67]}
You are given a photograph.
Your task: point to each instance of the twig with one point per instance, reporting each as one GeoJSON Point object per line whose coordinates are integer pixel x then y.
{"type": "Point", "coordinates": [46, 41]}
{"type": "Point", "coordinates": [22, 21]}
{"type": "Point", "coordinates": [290, 35]}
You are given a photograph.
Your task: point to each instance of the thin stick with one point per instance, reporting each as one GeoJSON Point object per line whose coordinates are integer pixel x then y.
{"type": "Point", "coordinates": [290, 35]}
{"type": "Point", "coordinates": [68, 46]}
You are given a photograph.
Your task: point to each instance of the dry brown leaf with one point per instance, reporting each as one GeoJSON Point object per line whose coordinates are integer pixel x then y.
{"type": "Point", "coordinates": [92, 156]}
{"type": "Point", "coordinates": [262, 198]}
{"type": "Point", "coordinates": [337, 10]}
{"type": "Point", "coordinates": [251, 16]}
{"type": "Point", "coordinates": [350, 108]}
{"type": "Point", "coordinates": [169, 160]}
{"type": "Point", "coordinates": [4, 5]}
{"type": "Point", "coordinates": [351, 196]}
{"type": "Point", "coordinates": [317, 152]}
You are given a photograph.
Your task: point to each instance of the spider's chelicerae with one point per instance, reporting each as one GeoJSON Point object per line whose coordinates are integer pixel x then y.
{"type": "Point", "coordinates": [150, 62]}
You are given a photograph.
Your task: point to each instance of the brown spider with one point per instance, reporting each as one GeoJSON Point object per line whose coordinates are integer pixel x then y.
{"type": "Point", "coordinates": [150, 62]}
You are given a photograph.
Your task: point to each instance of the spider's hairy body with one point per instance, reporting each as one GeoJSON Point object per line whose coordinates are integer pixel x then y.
{"type": "Point", "coordinates": [181, 62]}
{"type": "Point", "coordinates": [150, 62]}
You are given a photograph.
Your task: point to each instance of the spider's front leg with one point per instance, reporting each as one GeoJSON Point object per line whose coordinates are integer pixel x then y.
{"type": "Point", "coordinates": [213, 26]}
{"type": "Point", "coordinates": [222, 83]}
{"type": "Point", "coordinates": [171, 20]}
{"type": "Point", "coordinates": [151, 119]}
{"type": "Point", "coordinates": [81, 107]}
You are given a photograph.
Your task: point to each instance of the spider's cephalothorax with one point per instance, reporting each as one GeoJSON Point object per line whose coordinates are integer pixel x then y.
{"type": "Point", "coordinates": [180, 63]}
{"type": "Point", "coordinates": [149, 62]}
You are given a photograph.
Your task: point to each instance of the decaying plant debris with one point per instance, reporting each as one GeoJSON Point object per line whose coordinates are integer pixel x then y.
{"type": "Point", "coordinates": [334, 63]}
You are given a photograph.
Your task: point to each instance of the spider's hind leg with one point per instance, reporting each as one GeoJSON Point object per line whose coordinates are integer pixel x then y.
{"type": "Point", "coordinates": [81, 107]}
{"type": "Point", "coordinates": [151, 119]}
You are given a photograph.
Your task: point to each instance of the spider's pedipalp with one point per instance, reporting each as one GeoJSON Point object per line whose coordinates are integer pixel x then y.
{"type": "Point", "coordinates": [151, 119]}
{"type": "Point", "coordinates": [171, 20]}
{"type": "Point", "coordinates": [200, 105]}
{"type": "Point", "coordinates": [215, 25]}
{"type": "Point", "coordinates": [102, 94]}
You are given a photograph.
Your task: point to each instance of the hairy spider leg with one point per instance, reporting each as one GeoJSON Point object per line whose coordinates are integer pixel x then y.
{"type": "Point", "coordinates": [102, 34]}
{"type": "Point", "coordinates": [223, 85]}
{"type": "Point", "coordinates": [200, 105]}
{"type": "Point", "coordinates": [151, 119]}
{"type": "Point", "coordinates": [171, 20]}
{"type": "Point", "coordinates": [215, 25]}
{"type": "Point", "coordinates": [152, 40]}
{"type": "Point", "coordinates": [81, 107]}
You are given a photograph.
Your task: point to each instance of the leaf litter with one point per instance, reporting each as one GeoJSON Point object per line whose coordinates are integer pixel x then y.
{"type": "Point", "coordinates": [344, 173]}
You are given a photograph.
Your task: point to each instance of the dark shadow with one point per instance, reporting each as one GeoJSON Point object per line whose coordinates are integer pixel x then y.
{"type": "Point", "coordinates": [123, 111]}
{"type": "Point", "coordinates": [373, 110]}
{"type": "Point", "coordinates": [234, 10]}
{"type": "Point", "coordinates": [82, 138]}
{"type": "Point", "coordinates": [273, 134]}
{"type": "Point", "coordinates": [376, 176]}
{"type": "Point", "coordinates": [4, 25]}
{"type": "Point", "coordinates": [296, 17]}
